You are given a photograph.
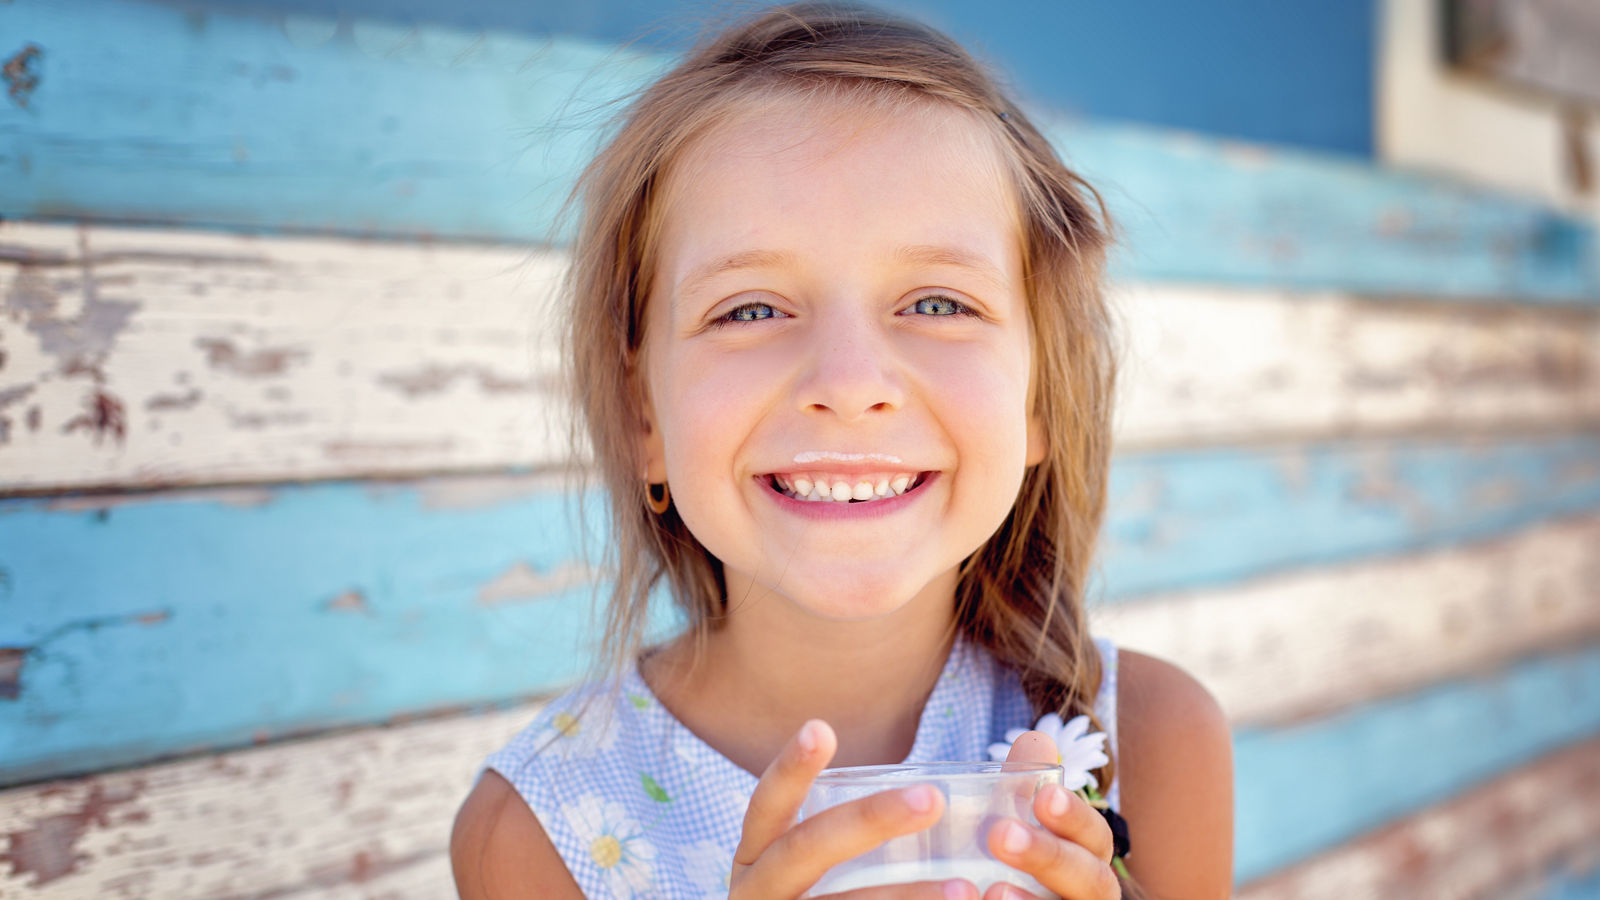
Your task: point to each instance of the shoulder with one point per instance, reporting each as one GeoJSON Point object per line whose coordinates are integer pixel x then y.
{"type": "Point", "coordinates": [499, 849]}
{"type": "Point", "coordinates": [1175, 765]}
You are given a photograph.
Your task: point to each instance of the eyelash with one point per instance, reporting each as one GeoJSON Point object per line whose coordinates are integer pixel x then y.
{"type": "Point", "coordinates": [731, 317]}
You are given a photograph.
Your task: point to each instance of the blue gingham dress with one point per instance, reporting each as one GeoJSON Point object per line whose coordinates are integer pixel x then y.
{"type": "Point", "coordinates": [639, 807]}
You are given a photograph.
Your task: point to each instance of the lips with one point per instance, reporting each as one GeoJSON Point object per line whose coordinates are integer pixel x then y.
{"type": "Point", "coordinates": [831, 487]}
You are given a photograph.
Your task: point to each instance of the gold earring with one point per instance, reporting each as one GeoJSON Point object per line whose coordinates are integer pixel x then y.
{"type": "Point", "coordinates": [658, 504]}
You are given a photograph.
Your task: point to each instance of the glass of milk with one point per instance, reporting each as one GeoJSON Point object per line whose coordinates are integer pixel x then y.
{"type": "Point", "coordinates": [977, 795]}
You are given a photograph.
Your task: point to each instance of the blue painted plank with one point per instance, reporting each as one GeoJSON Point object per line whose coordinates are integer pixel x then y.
{"type": "Point", "coordinates": [1186, 519]}
{"type": "Point", "coordinates": [1214, 67]}
{"type": "Point", "coordinates": [184, 620]}
{"type": "Point", "coordinates": [256, 120]}
{"type": "Point", "coordinates": [1302, 789]}
{"type": "Point", "coordinates": [1573, 885]}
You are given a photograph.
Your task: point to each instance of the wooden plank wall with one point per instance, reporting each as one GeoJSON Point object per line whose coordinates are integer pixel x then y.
{"type": "Point", "coordinates": [286, 545]}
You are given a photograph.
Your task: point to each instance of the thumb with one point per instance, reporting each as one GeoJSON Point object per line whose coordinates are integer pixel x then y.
{"type": "Point", "coordinates": [1034, 747]}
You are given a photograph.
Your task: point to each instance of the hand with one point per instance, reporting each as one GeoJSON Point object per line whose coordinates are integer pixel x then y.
{"type": "Point", "coordinates": [779, 860]}
{"type": "Point", "coordinates": [1071, 855]}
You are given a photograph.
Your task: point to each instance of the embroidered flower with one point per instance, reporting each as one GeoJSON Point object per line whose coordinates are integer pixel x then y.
{"type": "Point", "coordinates": [709, 867]}
{"type": "Point", "coordinates": [615, 843]}
{"type": "Point", "coordinates": [1080, 752]}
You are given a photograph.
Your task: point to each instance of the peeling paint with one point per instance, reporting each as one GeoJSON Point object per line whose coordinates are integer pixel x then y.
{"type": "Point", "coordinates": [47, 849]}
{"type": "Point", "coordinates": [104, 414]}
{"type": "Point", "coordinates": [481, 492]}
{"type": "Point", "coordinates": [224, 356]}
{"type": "Point", "coordinates": [350, 601]}
{"type": "Point", "coordinates": [20, 75]}
{"type": "Point", "coordinates": [522, 582]}
{"type": "Point", "coordinates": [434, 379]}
{"type": "Point", "coordinates": [11, 660]}
{"type": "Point", "coordinates": [174, 402]}
{"type": "Point", "coordinates": [384, 451]}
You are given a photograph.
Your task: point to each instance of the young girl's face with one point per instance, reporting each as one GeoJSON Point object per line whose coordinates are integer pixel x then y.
{"type": "Point", "coordinates": [838, 306]}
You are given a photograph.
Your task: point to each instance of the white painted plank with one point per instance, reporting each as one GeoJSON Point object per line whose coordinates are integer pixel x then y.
{"type": "Point", "coordinates": [356, 815]}
{"type": "Point", "coordinates": [139, 358]}
{"type": "Point", "coordinates": [232, 358]}
{"type": "Point", "coordinates": [1295, 645]}
{"type": "Point", "coordinates": [1500, 840]}
{"type": "Point", "coordinates": [1219, 365]}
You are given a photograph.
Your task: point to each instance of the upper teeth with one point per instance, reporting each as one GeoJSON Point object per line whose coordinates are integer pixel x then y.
{"type": "Point", "coordinates": [841, 489]}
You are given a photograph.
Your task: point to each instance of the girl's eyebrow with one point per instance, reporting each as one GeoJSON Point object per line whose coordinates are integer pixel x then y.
{"type": "Point", "coordinates": [913, 254]}
{"type": "Point", "coordinates": [744, 259]}
{"type": "Point", "coordinates": [961, 258]}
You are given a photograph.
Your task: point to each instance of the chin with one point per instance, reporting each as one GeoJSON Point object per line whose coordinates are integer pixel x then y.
{"type": "Point", "coordinates": [853, 599]}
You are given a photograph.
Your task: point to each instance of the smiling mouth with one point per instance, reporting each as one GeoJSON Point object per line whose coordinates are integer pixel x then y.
{"type": "Point", "coordinates": [826, 488]}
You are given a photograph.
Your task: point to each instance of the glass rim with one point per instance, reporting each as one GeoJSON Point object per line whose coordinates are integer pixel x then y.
{"type": "Point", "coordinates": [932, 771]}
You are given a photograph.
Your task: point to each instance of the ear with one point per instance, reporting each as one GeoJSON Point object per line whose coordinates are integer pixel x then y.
{"type": "Point", "coordinates": [1038, 443]}
{"type": "Point", "coordinates": [652, 449]}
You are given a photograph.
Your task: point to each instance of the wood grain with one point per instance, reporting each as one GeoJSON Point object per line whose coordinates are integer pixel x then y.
{"type": "Point", "coordinates": [1506, 838]}
{"type": "Point", "coordinates": [1294, 646]}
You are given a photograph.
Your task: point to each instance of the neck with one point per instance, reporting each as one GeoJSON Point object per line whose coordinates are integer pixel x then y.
{"type": "Point", "coordinates": [772, 665]}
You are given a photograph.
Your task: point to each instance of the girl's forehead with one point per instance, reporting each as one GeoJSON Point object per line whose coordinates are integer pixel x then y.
{"type": "Point", "coordinates": [910, 167]}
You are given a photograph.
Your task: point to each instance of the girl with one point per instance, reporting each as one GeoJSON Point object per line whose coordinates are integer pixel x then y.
{"type": "Point", "coordinates": [840, 345]}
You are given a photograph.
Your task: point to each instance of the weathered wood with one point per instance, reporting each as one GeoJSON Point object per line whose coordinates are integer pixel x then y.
{"type": "Point", "coordinates": [1234, 365]}
{"type": "Point", "coordinates": [367, 814]}
{"type": "Point", "coordinates": [1314, 785]}
{"type": "Point", "coordinates": [1503, 839]}
{"type": "Point", "coordinates": [144, 358]}
{"type": "Point", "coordinates": [363, 814]}
{"type": "Point", "coordinates": [365, 127]}
{"type": "Point", "coordinates": [140, 626]}
{"type": "Point", "coordinates": [1295, 646]}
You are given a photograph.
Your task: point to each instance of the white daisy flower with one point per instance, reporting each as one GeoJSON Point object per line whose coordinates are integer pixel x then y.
{"type": "Point", "coordinates": [615, 843]}
{"type": "Point", "coordinates": [1080, 751]}
{"type": "Point", "coordinates": [709, 867]}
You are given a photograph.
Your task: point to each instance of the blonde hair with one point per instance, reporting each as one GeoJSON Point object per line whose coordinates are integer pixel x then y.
{"type": "Point", "coordinates": [1021, 595]}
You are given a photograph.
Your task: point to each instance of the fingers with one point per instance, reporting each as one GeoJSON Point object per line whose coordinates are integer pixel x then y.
{"type": "Point", "coordinates": [782, 788]}
{"type": "Point", "coordinates": [1070, 855]}
{"type": "Point", "coordinates": [1071, 818]}
{"type": "Point", "coordinates": [1034, 747]}
{"type": "Point", "coordinates": [795, 861]}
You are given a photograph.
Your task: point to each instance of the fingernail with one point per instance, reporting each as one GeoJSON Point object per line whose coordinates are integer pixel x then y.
{"type": "Point", "coordinates": [955, 890]}
{"type": "Point", "coordinates": [808, 737]}
{"type": "Point", "coordinates": [1014, 839]}
{"type": "Point", "coordinates": [919, 798]}
{"type": "Point", "coordinates": [1057, 804]}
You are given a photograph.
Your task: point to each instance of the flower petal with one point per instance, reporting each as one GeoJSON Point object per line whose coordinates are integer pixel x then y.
{"type": "Point", "coordinates": [1076, 728]}
{"type": "Point", "coordinates": [999, 752]}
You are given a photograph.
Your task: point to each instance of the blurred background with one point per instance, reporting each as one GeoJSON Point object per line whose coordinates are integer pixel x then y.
{"type": "Point", "coordinates": [285, 547]}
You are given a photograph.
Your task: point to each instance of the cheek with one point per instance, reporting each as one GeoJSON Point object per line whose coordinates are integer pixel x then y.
{"type": "Point", "coordinates": [709, 406]}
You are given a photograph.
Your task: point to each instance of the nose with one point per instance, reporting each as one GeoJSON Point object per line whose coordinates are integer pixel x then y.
{"type": "Point", "coordinates": [853, 371]}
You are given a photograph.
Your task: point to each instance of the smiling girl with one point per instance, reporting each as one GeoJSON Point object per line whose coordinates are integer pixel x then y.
{"type": "Point", "coordinates": [839, 342]}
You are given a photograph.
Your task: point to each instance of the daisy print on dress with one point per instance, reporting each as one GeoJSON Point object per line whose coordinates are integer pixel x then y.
{"type": "Point", "coordinates": [1081, 752]}
{"type": "Point", "coordinates": [615, 843]}
{"type": "Point", "coordinates": [570, 734]}
{"type": "Point", "coordinates": [708, 867]}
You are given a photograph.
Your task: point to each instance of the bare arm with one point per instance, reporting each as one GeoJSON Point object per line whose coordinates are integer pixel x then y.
{"type": "Point", "coordinates": [499, 851]}
{"type": "Point", "coordinates": [1176, 772]}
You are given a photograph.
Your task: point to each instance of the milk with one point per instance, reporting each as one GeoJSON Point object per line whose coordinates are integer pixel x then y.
{"type": "Point", "coordinates": [981, 872]}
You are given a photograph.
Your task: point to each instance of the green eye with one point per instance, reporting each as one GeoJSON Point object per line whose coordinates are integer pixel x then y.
{"type": "Point", "coordinates": [937, 306]}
